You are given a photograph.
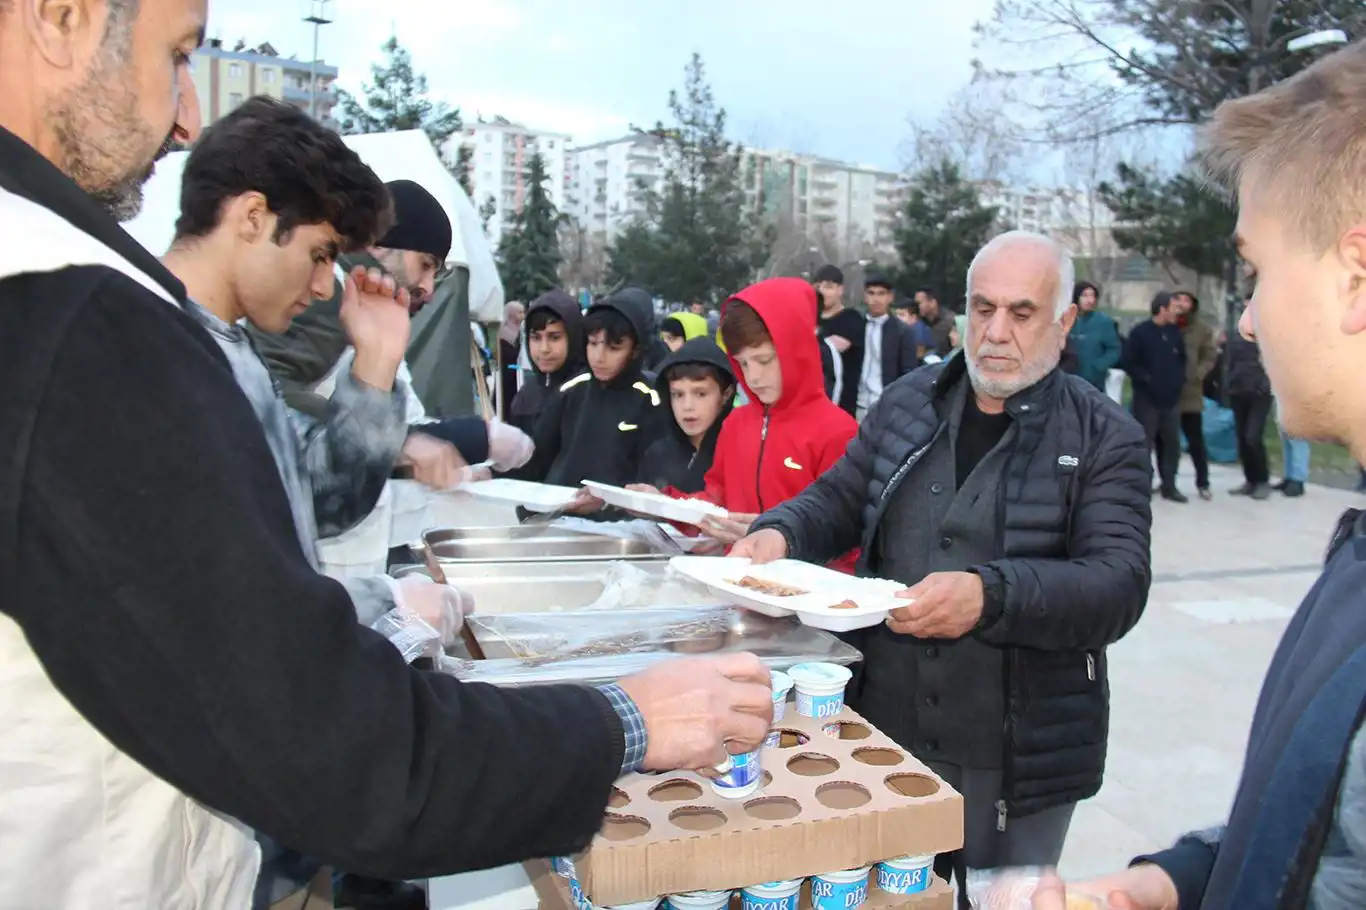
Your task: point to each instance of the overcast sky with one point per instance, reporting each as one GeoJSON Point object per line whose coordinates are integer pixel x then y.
{"type": "Point", "coordinates": [830, 79]}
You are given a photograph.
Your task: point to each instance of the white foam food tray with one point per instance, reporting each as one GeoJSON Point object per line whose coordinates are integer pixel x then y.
{"type": "Point", "coordinates": [823, 590]}
{"type": "Point", "coordinates": [536, 497]}
{"type": "Point", "coordinates": [656, 505]}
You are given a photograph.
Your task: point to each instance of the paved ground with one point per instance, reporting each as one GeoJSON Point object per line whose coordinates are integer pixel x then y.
{"type": "Point", "coordinates": [1227, 576]}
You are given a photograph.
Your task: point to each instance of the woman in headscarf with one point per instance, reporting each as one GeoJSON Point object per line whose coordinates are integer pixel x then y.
{"type": "Point", "coordinates": [509, 352]}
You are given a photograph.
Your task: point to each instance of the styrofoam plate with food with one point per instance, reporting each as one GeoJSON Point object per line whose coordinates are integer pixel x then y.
{"type": "Point", "coordinates": [535, 497]}
{"type": "Point", "coordinates": [656, 505]}
{"type": "Point", "coordinates": [820, 597]}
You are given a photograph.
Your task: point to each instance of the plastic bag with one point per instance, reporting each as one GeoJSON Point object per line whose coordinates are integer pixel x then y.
{"type": "Point", "coordinates": [413, 637]}
{"type": "Point", "coordinates": [587, 646]}
{"type": "Point", "coordinates": [1013, 889]}
{"type": "Point", "coordinates": [622, 584]}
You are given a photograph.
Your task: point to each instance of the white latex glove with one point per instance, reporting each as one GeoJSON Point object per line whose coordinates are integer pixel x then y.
{"type": "Point", "coordinates": [443, 607]}
{"type": "Point", "coordinates": [509, 447]}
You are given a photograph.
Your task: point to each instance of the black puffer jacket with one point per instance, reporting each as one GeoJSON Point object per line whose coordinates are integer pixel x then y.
{"type": "Point", "coordinates": [1073, 576]}
{"type": "Point", "coordinates": [1246, 375]}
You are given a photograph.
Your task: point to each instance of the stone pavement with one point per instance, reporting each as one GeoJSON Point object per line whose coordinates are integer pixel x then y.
{"type": "Point", "coordinates": [1228, 574]}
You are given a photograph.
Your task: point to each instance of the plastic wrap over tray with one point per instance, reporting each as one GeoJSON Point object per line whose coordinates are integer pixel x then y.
{"type": "Point", "coordinates": [597, 647]}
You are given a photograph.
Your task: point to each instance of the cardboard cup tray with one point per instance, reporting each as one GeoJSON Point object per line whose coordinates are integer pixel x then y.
{"type": "Point", "coordinates": [554, 894]}
{"type": "Point", "coordinates": [827, 804]}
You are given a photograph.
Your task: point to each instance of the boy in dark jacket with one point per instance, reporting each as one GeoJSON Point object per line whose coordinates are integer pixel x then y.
{"type": "Point", "coordinates": [699, 385]}
{"type": "Point", "coordinates": [554, 340]}
{"type": "Point", "coordinates": [602, 420]}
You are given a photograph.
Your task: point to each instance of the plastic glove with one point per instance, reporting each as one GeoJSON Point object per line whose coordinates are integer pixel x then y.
{"type": "Point", "coordinates": [509, 447]}
{"type": "Point", "coordinates": [443, 607]}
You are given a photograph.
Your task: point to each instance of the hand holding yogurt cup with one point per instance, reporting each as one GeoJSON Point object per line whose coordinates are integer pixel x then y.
{"type": "Point", "coordinates": [700, 710]}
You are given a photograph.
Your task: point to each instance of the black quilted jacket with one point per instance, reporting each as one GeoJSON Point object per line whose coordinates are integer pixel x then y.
{"type": "Point", "coordinates": [1073, 577]}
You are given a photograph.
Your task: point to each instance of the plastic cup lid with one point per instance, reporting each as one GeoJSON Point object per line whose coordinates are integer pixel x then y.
{"type": "Point", "coordinates": [781, 681]}
{"type": "Point", "coordinates": [819, 674]}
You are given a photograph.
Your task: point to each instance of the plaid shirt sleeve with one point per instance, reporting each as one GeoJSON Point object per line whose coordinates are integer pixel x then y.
{"type": "Point", "coordinates": [632, 725]}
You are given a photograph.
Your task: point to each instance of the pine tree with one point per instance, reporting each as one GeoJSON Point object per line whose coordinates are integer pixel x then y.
{"type": "Point", "coordinates": [395, 98]}
{"type": "Point", "coordinates": [943, 225]}
{"type": "Point", "coordinates": [529, 253]}
{"type": "Point", "coordinates": [696, 241]}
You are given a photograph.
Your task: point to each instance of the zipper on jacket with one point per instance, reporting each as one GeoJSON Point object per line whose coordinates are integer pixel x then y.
{"type": "Point", "coordinates": [1008, 736]}
{"type": "Point", "coordinates": [1090, 666]}
{"type": "Point", "coordinates": [759, 463]}
{"type": "Point", "coordinates": [1000, 815]}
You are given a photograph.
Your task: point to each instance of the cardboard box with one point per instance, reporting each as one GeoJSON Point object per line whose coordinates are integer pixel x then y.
{"type": "Point", "coordinates": [553, 890]}
{"type": "Point", "coordinates": [829, 803]}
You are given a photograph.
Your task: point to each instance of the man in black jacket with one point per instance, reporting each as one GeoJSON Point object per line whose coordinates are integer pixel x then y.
{"type": "Point", "coordinates": [1249, 396]}
{"type": "Point", "coordinates": [1155, 359]}
{"type": "Point", "coordinates": [889, 348]}
{"type": "Point", "coordinates": [169, 661]}
{"type": "Point", "coordinates": [1012, 499]}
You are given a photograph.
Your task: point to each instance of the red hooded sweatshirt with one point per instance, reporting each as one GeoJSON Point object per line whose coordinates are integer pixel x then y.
{"type": "Point", "coordinates": [767, 455]}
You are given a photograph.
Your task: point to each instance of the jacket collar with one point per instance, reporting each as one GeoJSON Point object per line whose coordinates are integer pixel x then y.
{"type": "Point", "coordinates": [1033, 400]}
{"type": "Point", "coordinates": [26, 173]}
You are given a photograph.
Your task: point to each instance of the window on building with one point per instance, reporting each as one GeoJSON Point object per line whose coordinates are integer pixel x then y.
{"type": "Point", "coordinates": [267, 77]}
{"type": "Point", "coordinates": [551, 145]}
{"type": "Point", "coordinates": [234, 71]}
{"type": "Point", "coordinates": [234, 101]}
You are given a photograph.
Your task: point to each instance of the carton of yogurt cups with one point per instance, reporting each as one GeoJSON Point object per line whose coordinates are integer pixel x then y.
{"type": "Point", "coordinates": [739, 777]}
{"type": "Point", "coordinates": [820, 688]}
{"type": "Point", "coordinates": [905, 874]}
{"type": "Point", "coordinates": [700, 900]}
{"type": "Point", "coordinates": [782, 684]}
{"type": "Point", "coordinates": [846, 890]}
{"type": "Point", "coordinates": [772, 895]}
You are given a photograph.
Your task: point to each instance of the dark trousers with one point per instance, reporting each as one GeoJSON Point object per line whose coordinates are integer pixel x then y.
{"type": "Point", "coordinates": [1162, 427]}
{"type": "Point", "coordinates": [1249, 422]}
{"type": "Point", "coordinates": [1193, 428]}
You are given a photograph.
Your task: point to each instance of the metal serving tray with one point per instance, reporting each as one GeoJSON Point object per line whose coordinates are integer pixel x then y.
{"type": "Point", "coordinates": [533, 544]}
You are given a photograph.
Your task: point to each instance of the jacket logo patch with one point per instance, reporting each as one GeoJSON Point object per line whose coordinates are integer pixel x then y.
{"type": "Point", "coordinates": [626, 427]}
{"type": "Point", "coordinates": [1068, 461]}
{"type": "Point", "coordinates": [789, 463]}
{"type": "Point", "coordinates": [644, 389]}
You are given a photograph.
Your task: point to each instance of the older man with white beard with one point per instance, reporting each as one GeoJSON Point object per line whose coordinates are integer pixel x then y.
{"type": "Point", "coordinates": [1015, 507]}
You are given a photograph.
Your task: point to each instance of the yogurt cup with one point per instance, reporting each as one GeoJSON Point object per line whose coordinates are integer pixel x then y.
{"type": "Point", "coordinates": [820, 688]}
{"type": "Point", "coordinates": [650, 904]}
{"type": "Point", "coordinates": [772, 896]}
{"type": "Point", "coordinates": [563, 865]}
{"type": "Point", "coordinates": [740, 777]}
{"type": "Point", "coordinates": [905, 874]}
{"type": "Point", "coordinates": [782, 684]}
{"type": "Point", "coordinates": [845, 890]}
{"type": "Point", "coordinates": [581, 901]}
{"type": "Point", "coordinates": [700, 900]}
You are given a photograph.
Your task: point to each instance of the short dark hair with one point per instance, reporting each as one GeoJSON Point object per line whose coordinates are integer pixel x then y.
{"type": "Point", "coordinates": [305, 171]}
{"type": "Point", "coordinates": [672, 326]}
{"type": "Point", "coordinates": [742, 327]}
{"type": "Point", "coordinates": [698, 372]}
{"type": "Point", "coordinates": [542, 319]}
{"type": "Point", "coordinates": [906, 303]}
{"type": "Point", "coordinates": [1160, 301]}
{"type": "Point", "coordinates": [611, 321]}
{"type": "Point", "coordinates": [928, 292]}
{"type": "Point", "coordinates": [1081, 287]}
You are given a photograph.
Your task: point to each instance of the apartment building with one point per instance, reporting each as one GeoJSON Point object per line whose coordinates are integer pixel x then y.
{"type": "Point", "coordinates": [849, 204]}
{"type": "Point", "coordinates": [1075, 217]}
{"type": "Point", "coordinates": [500, 164]}
{"type": "Point", "coordinates": [225, 78]}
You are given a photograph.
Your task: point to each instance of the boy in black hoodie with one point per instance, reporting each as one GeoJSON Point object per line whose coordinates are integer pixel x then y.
{"type": "Point", "coordinates": [554, 340]}
{"type": "Point", "coordinates": [698, 385]}
{"type": "Point", "coordinates": [603, 419]}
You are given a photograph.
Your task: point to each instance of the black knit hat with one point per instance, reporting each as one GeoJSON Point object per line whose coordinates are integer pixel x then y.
{"type": "Point", "coordinates": [420, 223]}
{"type": "Point", "coordinates": [829, 273]}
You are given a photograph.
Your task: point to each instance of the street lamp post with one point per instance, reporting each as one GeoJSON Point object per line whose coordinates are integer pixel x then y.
{"type": "Point", "coordinates": [317, 17]}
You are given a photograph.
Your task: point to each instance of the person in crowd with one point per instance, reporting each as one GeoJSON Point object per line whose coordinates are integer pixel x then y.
{"type": "Point", "coordinates": [1292, 154]}
{"type": "Point", "coordinates": [698, 308]}
{"type": "Point", "coordinates": [600, 424]}
{"type": "Point", "coordinates": [1295, 458]}
{"type": "Point", "coordinates": [1094, 337]}
{"type": "Point", "coordinates": [510, 352]}
{"type": "Point", "coordinates": [1013, 502]}
{"type": "Point", "coordinates": [554, 337]}
{"type": "Point", "coordinates": [255, 241]}
{"type": "Point", "coordinates": [939, 319]}
{"type": "Point", "coordinates": [889, 347]}
{"type": "Point", "coordinates": [1201, 355]}
{"type": "Point", "coordinates": [909, 314]}
{"type": "Point", "coordinates": [307, 358]}
{"type": "Point", "coordinates": [699, 385]}
{"type": "Point", "coordinates": [681, 327]}
{"type": "Point", "coordinates": [1155, 359]}
{"type": "Point", "coordinates": [176, 669]}
{"type": "Point", "coordinates": [844, 329]}
{"type": "Point", "coordinates": [789, 433]}
{"type": "Point", "coordinates": [1249, 397]}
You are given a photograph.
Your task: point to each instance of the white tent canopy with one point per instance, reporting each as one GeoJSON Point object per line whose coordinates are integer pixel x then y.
{"type": "Point", "coordinates": [406, 155]}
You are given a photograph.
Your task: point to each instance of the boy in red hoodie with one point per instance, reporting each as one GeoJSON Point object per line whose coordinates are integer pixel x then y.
{"type": "Point", "coordinates": [790, 432]}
